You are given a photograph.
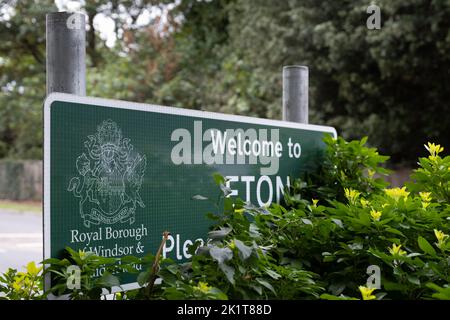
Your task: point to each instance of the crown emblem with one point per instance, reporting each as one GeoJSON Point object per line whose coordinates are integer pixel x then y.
{"type": "Point", "coordinates": [108, 133]}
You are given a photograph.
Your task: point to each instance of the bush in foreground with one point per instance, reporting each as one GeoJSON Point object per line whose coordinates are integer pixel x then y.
{"type": "Point", "coordinates": [333, 230]}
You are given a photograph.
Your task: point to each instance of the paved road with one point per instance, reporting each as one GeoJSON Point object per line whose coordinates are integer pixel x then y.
{"type": "Point", "coordinates": [20, 239]}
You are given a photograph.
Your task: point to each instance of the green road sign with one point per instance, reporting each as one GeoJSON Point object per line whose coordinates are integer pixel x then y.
{"type": "Point", "coordinates": [118, 174]}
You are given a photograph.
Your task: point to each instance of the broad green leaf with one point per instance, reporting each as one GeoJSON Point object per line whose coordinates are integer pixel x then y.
{"type": "Point", "coordinates": [243, 250]}
{"type": "Point", "coordinates": [273, 274]}
{"type": "Point", "coordinates": [218, 294]}
{"type": "Point", "coordinates": [413, 280]}
{"type": "Point", "coordinates": [219, 234]}
{"type": "Point", "coordinates": [442, 293]}
{"type": "Point", "coordinates": [226, 190]}
{"type": "Point", "coordinates": [51, 261]}
{"type": "Point", "coordinates": [143, 278]}
{"type": "Point", "coordinates": [218, 179]}
{"type": "Point", "coordinates": [266, 284]}
{"type": "Point", "coordinates": [338, 222]}
{"type": "Point", "coordinates": [394, 231]}
{"type": "Point", "coordinates": [258, 289]}
{"type": "Point", "coordinates": [393, 286]}
{"type": "Point", "coordinates": [192, 249]}
{"type": "Point", "coordinates": [426, 246]}
{"type": "Point", "coordinates": [326, 296]}
{"type": "Point", "coordinates": [364, 219]}
{"type": "Point", "coordinates": [254, 231]}
{"type": "Point", "coordinates": [108, 280]}
{"type": "Point", "coordinates": [337, 288]}
{"type": "Point", "coordinates": [221, 255]}
{"type": "Point", "coordinates": [228, 271]}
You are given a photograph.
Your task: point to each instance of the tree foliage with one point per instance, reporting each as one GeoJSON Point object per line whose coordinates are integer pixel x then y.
{"type": "Point", "coordinates": [389, 84]}
{"type": "Point", "coordinates": [227, 56]}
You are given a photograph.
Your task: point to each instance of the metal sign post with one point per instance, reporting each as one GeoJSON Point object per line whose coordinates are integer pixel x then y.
{"type": "Point", "coordinates": [65, 65]}
{"type": "Point", "coordinates": [66, 53]}
{"type": "Point", "coordinates": [295, 93]}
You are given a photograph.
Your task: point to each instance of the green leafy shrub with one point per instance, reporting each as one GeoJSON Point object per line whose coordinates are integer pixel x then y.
{"type": "Point", "coordinates": [90, 287]}
{"type": "Point", "coordinates": [27, 285]}
{"type": "Point", "coordinates": [240, 261]}
{"type": "Point", "coordinates": [319, 243]}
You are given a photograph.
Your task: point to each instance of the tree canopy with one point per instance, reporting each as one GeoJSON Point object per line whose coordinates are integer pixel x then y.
{"type": "Point", "coordinates": [227, 56]}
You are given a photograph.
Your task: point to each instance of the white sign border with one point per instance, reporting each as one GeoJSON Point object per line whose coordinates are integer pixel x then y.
{"type": "Point", "coordinates": [121, 104]}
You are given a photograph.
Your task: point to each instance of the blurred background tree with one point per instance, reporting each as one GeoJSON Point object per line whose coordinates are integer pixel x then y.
{"type": "Point", "coordinates": [227, 56]}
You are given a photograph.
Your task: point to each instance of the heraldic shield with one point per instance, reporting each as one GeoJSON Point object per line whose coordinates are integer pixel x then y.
{"type": "Point", "coordinates": [110, 177]}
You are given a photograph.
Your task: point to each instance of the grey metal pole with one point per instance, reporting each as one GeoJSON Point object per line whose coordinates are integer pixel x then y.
{"type": "Point", "coordinates": [66, 53]}
{"type": "Point", "coordinates": [295, 93]}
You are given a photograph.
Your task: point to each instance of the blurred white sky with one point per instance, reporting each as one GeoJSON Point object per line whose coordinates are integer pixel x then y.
{"type": "Point", "coordinates": [105, 25]}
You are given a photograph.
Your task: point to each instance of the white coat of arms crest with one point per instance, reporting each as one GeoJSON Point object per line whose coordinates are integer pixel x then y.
{"type": "Point", "coordinates": [110, 177]}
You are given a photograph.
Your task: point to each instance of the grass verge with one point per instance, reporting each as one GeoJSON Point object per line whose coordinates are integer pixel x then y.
{"type": "Point", "coordinates": [21, 206]}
